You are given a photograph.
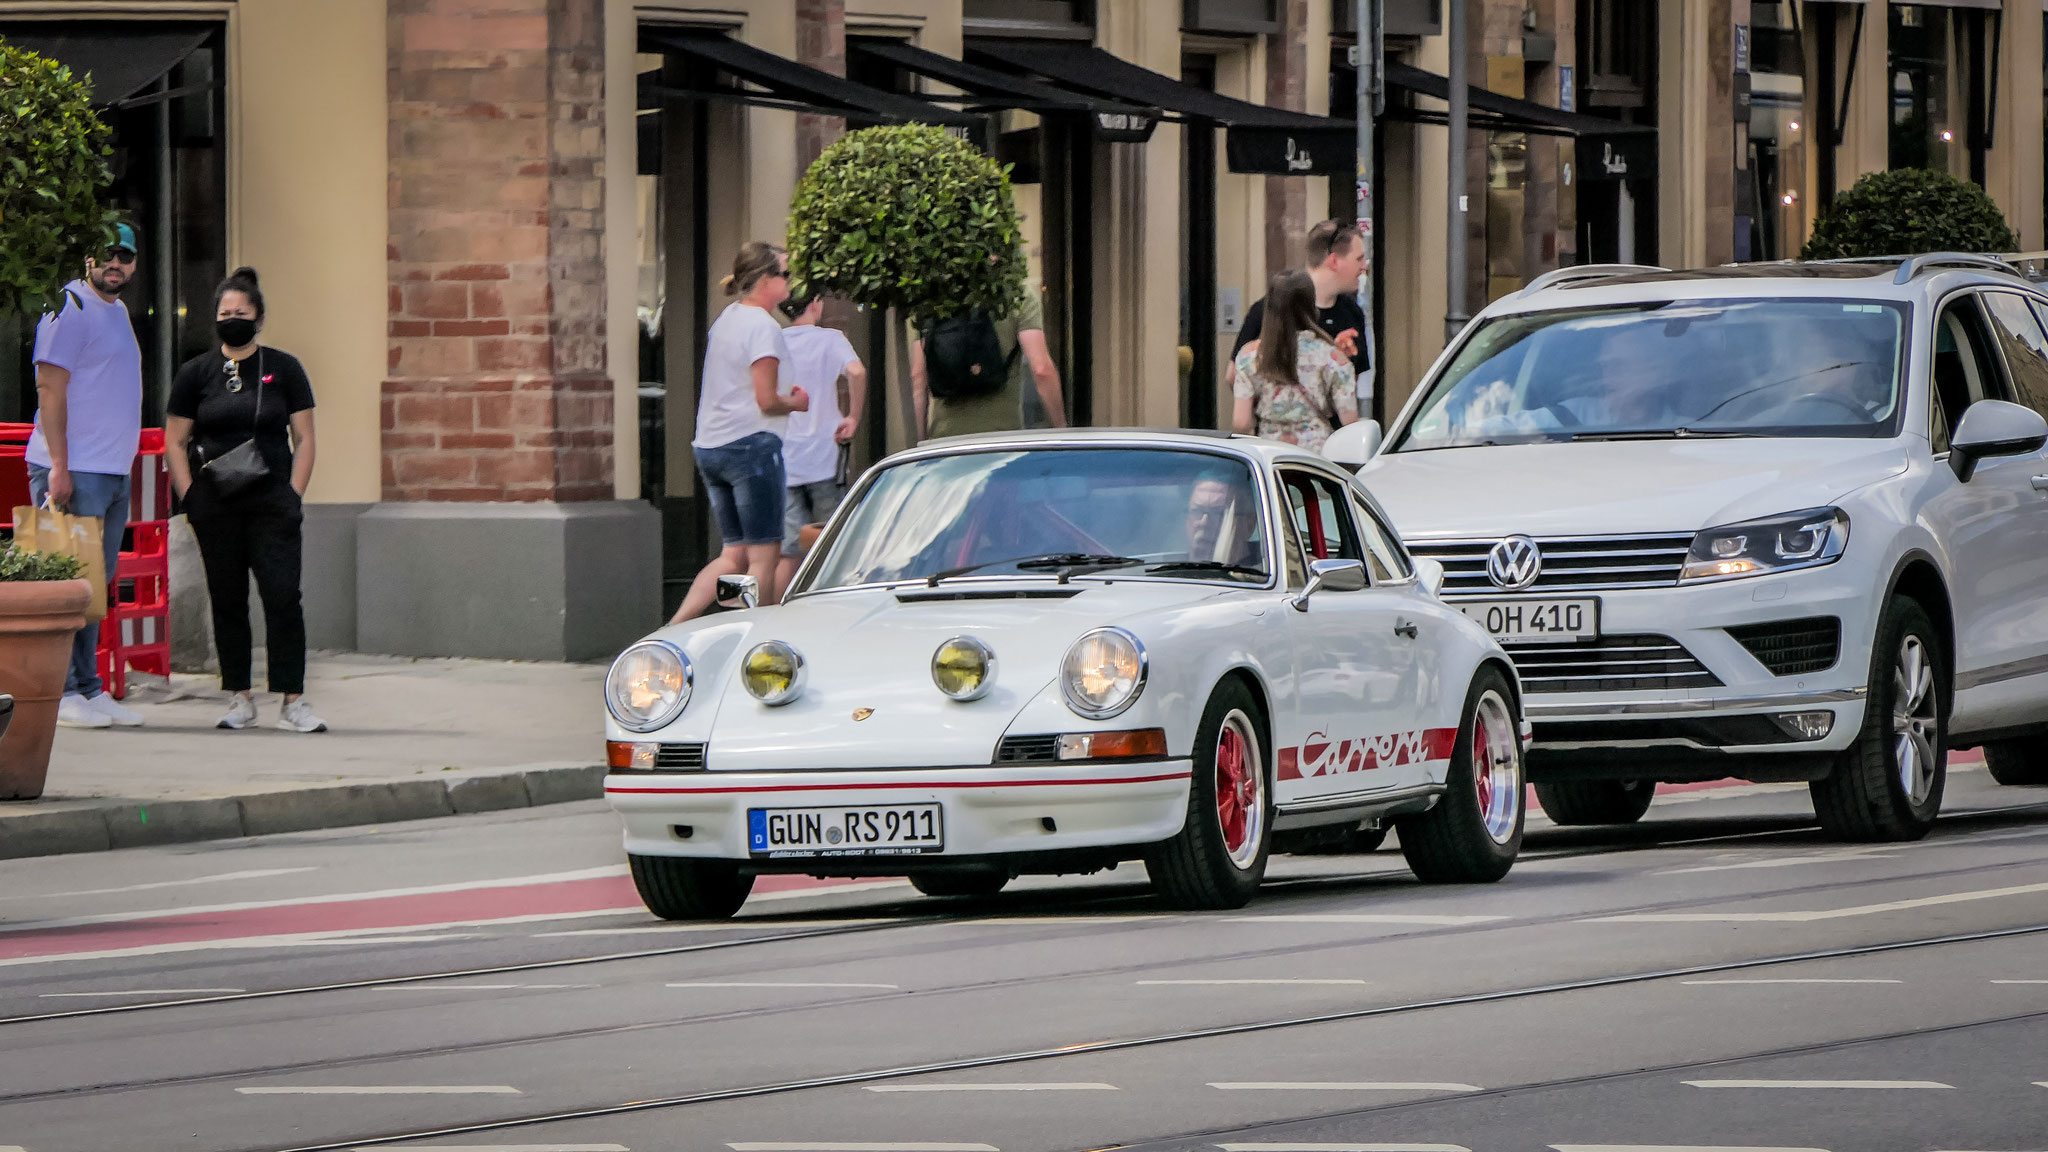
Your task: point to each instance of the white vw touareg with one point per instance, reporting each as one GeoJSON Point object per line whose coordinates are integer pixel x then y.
{"type": "Point", "coordinates": [1778, 522]}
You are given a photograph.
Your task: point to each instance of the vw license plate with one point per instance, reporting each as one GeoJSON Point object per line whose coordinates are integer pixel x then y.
{"type": "Point", "coordinates": [881, 830]}
{"type": "Point", "coordinates": [1536, 621]}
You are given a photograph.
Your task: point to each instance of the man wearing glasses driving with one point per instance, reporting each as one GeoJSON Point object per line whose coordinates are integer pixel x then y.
{"type": "Point", "coordinates": [88, 418]}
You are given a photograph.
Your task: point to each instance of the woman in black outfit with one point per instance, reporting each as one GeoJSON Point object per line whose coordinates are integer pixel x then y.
{"type": "Point", "coordinates": [245, 506]}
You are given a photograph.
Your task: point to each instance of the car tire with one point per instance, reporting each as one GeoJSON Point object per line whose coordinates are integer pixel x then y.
{"type": "Point", "coordinates": [979, 882]}
{"type": "Point", "coordinates": [688, 888]}
{"type": "Point", "coordinates": [1596, 801]}
{"type": "Point", "coordinates": [1887, 785]}
{"type": "Point", "coordinates": [1219, 856]}
{"type": "Point", "coordinates": [1474, 832]}
{"type": "Point", "coordinates": [2019, 761]}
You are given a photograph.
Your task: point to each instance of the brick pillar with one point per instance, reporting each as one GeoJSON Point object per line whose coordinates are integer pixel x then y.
{"type": "Point", "coordinates": [1287, 87]}
{"type": "Point", "coordinates": [821, 44]}
{"type": "Point", "coordinates": [497, 387]}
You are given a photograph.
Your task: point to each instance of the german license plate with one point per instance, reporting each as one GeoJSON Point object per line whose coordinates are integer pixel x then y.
{"type": "Point", "coordinates": [1537, 621]}
{"type": "Point", "coordinates": [880, 830]}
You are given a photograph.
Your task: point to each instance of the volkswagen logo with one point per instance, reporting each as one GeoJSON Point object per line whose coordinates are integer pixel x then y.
{"type": "Point", "coordinates": [1514, 563]}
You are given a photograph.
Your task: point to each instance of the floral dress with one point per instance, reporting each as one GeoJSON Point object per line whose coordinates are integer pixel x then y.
{"type": "Point", "coordinates": [1304, 410]}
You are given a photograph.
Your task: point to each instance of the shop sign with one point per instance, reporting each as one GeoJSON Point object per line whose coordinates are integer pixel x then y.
{"type": "Point", "coordinates": [1292, 151]}
{"type": "Point", "coordinates": [1625, 157]}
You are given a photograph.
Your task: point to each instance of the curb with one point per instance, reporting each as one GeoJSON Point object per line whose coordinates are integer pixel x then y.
{"type": "Point", "coordinates": [101, 825]}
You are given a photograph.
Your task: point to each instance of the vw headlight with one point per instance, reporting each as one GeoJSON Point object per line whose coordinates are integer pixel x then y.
{"type": "Point", "coordinates": [648, 685]}
{"type": "Point", "coordinates": [1103, 672]}
{"type": "Point", "coordinates": [773, 672]}
{"type": "Point", "coordinates": [1774, 544]}
{"type": "Point", "coordinates": [964, 668]}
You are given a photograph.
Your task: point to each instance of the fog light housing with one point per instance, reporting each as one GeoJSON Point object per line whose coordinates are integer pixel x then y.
{"type": "Point", "coordinates": [630, 756]}
{"type": "Point", "coordinates": [1805, 725]}
{"type": "Point", "coordinates": [964, 668]}
{"type": "Point", "coordinates": [1143, 742]}
{"type": "Point", "coordinates": [773, 672]}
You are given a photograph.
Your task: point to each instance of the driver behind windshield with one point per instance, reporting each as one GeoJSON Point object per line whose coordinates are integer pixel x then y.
{"type": "Point", "coordinates": [1220, 521]}
{"type": "Point", "coordinates": [1630, 389]}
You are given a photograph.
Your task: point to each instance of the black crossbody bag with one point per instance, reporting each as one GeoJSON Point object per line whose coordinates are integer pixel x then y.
{"type": "Point", "coordinates": [239, 467]}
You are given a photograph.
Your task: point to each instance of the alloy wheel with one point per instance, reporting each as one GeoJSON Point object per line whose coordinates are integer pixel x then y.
{"type": "Point", "coordinates": [1496, 767]}
{"type": "Point", "coordinates": [1916, 721]}
{"type": "Point", "coordinates": [1240, 789]}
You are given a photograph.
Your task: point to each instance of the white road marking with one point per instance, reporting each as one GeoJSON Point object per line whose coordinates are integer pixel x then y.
{"type": "Point", "coordinates": [216, 878]}
{"type": "Point", "coordinates": [1731, 792]}
{"type": "Point", "coordinates": [2020, 981]}
{"type": "Point", "coordinates": [499, 1148]}
{"type": "Point", "coordinates": [726, 926]}
{"type": "Point", "coordinates": [858, 886]}
{"type": "Point", "coordinates": [1363, 918]}
{"type": "Point", "coordinates": [473, 987]}
{"type": "Point", "coordinates": [1275, 1147]}
{"type": "Point", "coordinates": [1000, 920]}
{"type": "Point", "coordinates": [409, 938]}
{"type": "Point", "coordinates": [1673, 1148]}
{"type": "Point", "coordinates": [293, 939]}
{"type": "Point", "coordinates": [1270, 981]}
{"type": "Point", "coordinates": [1825, 914]}
{"type": "Point", "coordinates": [1344, 1087]}
{"type": "Point", "coordinates": [1817, 1084]}
{"type": "Point", "coordinates": [772, 984]}
{"type": "Point", "coordinates": [861, 1146]}
{"type": "Point", "coordinates": [1775, 981]}
{"type": "Point", "coordinates": [382, 1090]}
{"type": "Point", "coordinates": [141, 992]}
{"type": "Point", "coordinates": [1076, 1087]}
{"type": "Point", "coordinates": [1787, 862]}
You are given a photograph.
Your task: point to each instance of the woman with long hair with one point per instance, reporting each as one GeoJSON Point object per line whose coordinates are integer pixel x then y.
{"type": "Point", "coordinates": [1293, 384]}
{"type": "Point", "coordinates": [744, 396]}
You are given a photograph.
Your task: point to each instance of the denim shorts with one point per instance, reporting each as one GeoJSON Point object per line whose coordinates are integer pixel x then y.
{"type": "Point", "coordinates": [744, 481]}
{"type": "Point", "coordinates": [807, 504]}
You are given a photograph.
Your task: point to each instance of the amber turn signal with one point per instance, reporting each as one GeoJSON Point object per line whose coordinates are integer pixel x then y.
{"type": "Point", "coordinates": [1141, 742]}
{"type": "Point", "coordinates": [629, 755]}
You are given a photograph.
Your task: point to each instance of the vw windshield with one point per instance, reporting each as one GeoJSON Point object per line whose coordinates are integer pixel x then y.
{"type": "Point", "coordinates": [1116, 512]}
{"type": "Point", "coordinates": [1784, 367]}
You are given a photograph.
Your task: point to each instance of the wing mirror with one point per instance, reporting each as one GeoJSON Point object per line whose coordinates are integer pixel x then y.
{"type": "Point", "coordinates": [1430, 574]}
{"type": "Point", "coordinates": [1353, 444]}
{"type": "Point", "coordinates": [1994, 428]}
{"type": "Point", "coordinates": [1330, 576]}
{"type": "Point", "coordinates": [736, 592]}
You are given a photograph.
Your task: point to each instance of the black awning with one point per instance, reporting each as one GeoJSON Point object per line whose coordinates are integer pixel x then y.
{"type": "Point", "coordinates": [784, 83]}
{"type": "Point", "coordinates": [1111, 119]}
{"type": "Point", "coordinates": [122, 58]}
{"type": "Point", "coordinates": [1260, 140]}
{"type": "Point", "coordinates": [1492, 111]}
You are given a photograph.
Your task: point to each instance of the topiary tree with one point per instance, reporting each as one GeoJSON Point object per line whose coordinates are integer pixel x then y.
{"type": "Point", "coordinates": [908, 217]}
{"type": "Point", "coordinates": [1909, 210]}
{"type": "Point", "coordinates": [53, 169]}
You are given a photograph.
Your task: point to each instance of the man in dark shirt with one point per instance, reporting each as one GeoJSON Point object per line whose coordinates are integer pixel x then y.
{"type": "Point", "coordinates": [1336, 257]}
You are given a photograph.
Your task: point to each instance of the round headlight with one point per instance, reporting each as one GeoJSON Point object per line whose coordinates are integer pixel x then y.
{"type": "Point", "coordinates": [1103, 673]}
{"type": "Point", "coordinates": [964, 668]}
{"type": "Point", "coordinates": [648, 685]}
{"type": "Point", "coordinates": [773, 672]}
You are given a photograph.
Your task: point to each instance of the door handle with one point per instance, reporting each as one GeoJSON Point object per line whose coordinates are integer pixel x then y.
{"type": "Point", "coordinates": [1405, 628]}
{"type": "Point", "coordinates": [2041, 483]}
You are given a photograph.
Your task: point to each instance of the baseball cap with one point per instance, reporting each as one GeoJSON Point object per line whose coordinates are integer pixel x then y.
{"type": "Point", "coordinates": [124, 237]}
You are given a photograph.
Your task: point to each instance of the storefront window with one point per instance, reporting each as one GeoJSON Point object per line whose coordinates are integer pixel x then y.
{"type": "Point", "coordinates": [1778, 129]}
{"type": "Point", "coordinates": [1923, 132]}
{"type": "Point", "coordinates": [1507, 174]}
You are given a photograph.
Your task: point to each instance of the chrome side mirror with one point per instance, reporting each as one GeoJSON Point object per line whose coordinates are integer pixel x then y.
{"type": "Point", "coordinates": [738, 592]}
{"type": "Point", "coordinates": [1330, 576]}
{"type": "Point", "coordinates": [1353, 444]}
{"type": "Point", "coordinates": [1994, 428]}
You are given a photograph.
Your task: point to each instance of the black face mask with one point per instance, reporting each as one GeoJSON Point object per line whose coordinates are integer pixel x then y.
{"type": "Point", "coordinates": [235, 331]}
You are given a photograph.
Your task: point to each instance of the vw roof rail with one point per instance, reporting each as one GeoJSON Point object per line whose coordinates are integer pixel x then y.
{"type": "Point", "coordinates": [1913, 266]}
{"type": "Point", "coordinates": [1559, 276]}
{"type": "Point", "coordinates": [2031, 266]}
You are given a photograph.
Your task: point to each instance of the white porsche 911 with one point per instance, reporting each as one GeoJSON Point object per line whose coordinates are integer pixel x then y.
{"type": "Point", "coordinates": [1055, 652]}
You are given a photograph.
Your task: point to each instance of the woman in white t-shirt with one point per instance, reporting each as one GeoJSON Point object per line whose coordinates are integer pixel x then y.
{"type": "Point", "coordinates": [815, 445]}
{"type": "Point", "coordinates": [745, 391]}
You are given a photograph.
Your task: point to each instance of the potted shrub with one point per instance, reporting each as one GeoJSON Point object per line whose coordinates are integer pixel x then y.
{"type": "Point", "coordinates": [43, 598]}
{"type": "Point", "coordinates": [1906, 211]}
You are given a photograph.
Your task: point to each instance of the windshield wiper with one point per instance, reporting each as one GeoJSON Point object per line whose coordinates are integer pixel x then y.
{"type": "Point", "coordinates": [1064, 560]}
{"type": "Point", "coordinates": [1656, 434]}
{"type": "Point", "coordinates": [1218, 566]}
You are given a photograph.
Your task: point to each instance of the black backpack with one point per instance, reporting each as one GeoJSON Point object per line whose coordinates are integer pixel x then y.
{"type": "Point", "coordinates": [963, 357]}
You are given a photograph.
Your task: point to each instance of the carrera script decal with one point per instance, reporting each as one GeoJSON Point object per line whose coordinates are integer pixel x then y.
{"type": "Point", "coordinates": [1321, 756]}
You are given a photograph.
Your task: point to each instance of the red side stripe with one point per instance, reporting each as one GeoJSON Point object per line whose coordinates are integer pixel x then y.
{"type": "Point", "coordinates": [904, 784]}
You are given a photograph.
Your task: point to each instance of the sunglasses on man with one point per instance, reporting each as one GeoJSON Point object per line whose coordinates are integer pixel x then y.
{"type": "Point", "coordinates": [117, 256]}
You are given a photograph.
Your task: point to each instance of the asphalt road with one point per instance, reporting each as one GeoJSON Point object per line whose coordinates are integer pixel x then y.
{"type": "Point", "coordinates": [1716, 977]}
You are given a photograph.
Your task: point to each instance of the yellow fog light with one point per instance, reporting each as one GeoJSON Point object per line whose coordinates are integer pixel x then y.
{"type": "Point", "coordinates": [773, 672]}
{"type": "Point", "coordinates": [1103, 673]}
{"type": "Point", "coordinates": [964, 668]}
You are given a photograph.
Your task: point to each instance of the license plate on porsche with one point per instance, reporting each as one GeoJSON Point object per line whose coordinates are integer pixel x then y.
{"type": "Point", "coordinates": [1537, 621]}
{"type": "Point", "coordinates": [870, 830]}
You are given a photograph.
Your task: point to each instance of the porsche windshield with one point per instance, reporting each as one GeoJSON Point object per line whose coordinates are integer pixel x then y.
{"type": "Point", "coordinates": [1783, 367]}
{"type": "Point", "coordinates": [1122, 512]}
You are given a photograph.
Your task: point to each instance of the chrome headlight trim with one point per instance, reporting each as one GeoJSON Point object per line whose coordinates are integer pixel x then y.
{"type": "Point", "coordinates": [1760, 544]}
{"type": "Point", "coordinates": [988, 668]}
{"type": "Point", "coordinates": [796, 675]}
{"type": "Point", "coordinates": [1082, 707]}
{"type": "Point", "coordinates": [670, 711]}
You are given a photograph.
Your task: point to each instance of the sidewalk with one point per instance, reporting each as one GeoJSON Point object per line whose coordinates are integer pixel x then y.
{"type": "Point", "coordinates": [410, 739]}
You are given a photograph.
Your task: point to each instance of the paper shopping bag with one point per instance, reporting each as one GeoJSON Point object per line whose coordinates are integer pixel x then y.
{"type": "Point", "coordinates": [50, 531]}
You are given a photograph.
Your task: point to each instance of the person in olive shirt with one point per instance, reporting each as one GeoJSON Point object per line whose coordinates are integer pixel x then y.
{"type": "Point", "coordinates": [1002, 410]}
{"type": "Point", "coordinates": [220, 401]}
{"type": "Point", "coordinates": [1336, 258]}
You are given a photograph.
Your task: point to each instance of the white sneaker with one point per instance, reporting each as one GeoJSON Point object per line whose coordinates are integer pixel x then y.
{"type": "Point", "coordinates": [75, 711]}
{"type": "Point", "coordinates": [297, 716]}
{"type": "Point", "coordinates": [241, 713]}
{"type": "Point", "coordinates": [107, 706]}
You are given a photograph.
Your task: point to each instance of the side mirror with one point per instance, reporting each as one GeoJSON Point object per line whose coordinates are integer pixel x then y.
{"type": "Point", "coordinates": [1430, 574]}
{"type": "Point", "coordinates": [1994, 428]}
{"type": "Point", "coordinates": [1353, 444]}
{"type": "Point", "coordinates": [738, 592]}
{"type": "Point", "coordinates": [1330, 576]}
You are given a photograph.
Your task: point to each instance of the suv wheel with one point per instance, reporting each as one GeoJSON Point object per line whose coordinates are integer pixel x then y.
{"type": "Point", "coordinates": [1596, 801]}
{"type": "Point", "coordinates": [2023, 760]}
{"type": "Point", "coordinates": [1888, 784]}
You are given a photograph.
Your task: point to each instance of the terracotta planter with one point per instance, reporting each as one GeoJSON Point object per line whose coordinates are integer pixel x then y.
{"type": "Point", "coordinates": [37, 620]}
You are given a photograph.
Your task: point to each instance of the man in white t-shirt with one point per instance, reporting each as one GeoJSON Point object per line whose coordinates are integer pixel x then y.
{"type": "Point", "coordinates": [814, 442]}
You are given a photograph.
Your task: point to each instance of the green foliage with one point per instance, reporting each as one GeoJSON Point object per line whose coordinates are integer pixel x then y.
{"type": "Point", "coordinates": [16, 564]}
{"type": "Point", "coordinates": [1909, 210]}
{"type": "Point", "coordinates": [53, 168]}
{"type": "Point", "coordinates": [908, 217]}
